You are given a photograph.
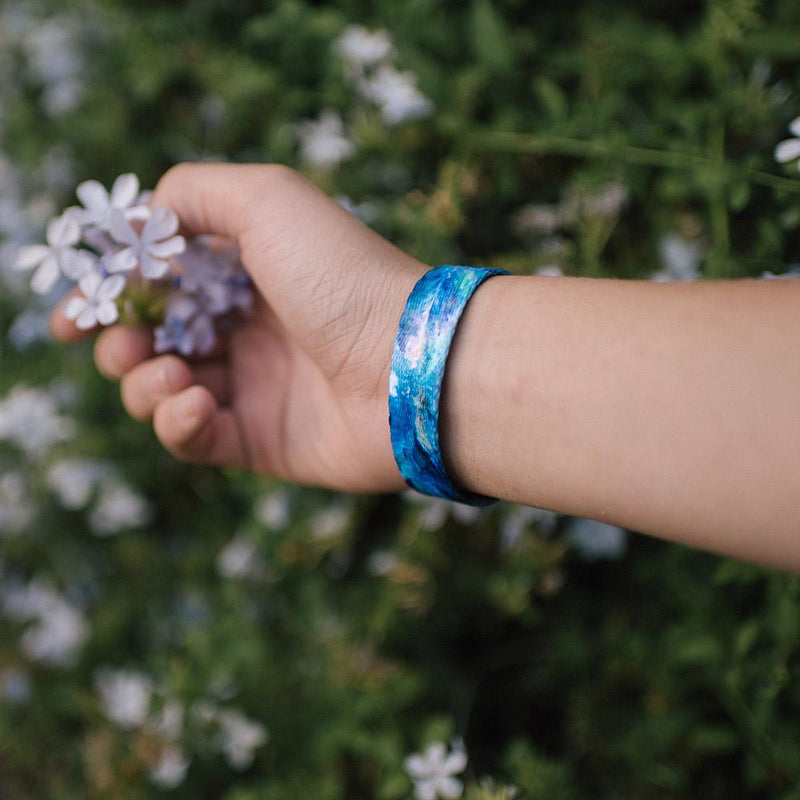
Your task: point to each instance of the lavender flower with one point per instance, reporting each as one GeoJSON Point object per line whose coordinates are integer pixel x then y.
{"type": "Point", "coordinates": [433, 771]}
{"type": "Point", "coordinates": [152, 247]}
{"type": "Point", "coordinates": [99, 203]}
{"type": "Point", "coordinates": [97, 305]}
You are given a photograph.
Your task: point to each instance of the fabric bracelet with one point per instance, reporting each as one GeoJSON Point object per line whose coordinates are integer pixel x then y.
{"type": "Point", "coordinates": [424, 336]}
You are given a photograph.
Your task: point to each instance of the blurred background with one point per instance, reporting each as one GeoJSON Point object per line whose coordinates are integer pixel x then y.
{"type": "Point", "coordinates": [175, 631]}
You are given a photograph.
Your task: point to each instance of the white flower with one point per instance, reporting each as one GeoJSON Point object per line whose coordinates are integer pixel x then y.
{"type": "Point", "coordinates": [97, 306]}
{"type": "Point", "coordinates": [239, 737]}
{"type": "Point", "coordinates": [125, 696]}
{"type": "Point", "coordinates": [171, 768]}
{"type": "Point", "coordinates": [29, 418]}
{"type": "Point", "coordinates": [433, 771]}
{"type": "Point", "coordinates": [57, 256]}
{"type": "Point", "coordinates": [16, 509]}
{"type": "Point", "coordinates": [789, 149]}
{"type": "Point", "coordinates": [74, 479]}
{"type": "Point", "coordinates": [98, 202]}
{"type": "Point", "coordinates": [323, 142]}
{"type": "Point", "coordinates": [330, 521]}
{"type": "Point", "coordinates": [118, 508]}
{"type": "Point", "coordinates": [680, 257]}
{"type": "Point", "coordinates": [273, 509]}
{"type": "Point", "coordinates": [597, 541]}
{"type": "Point", "coordinates": [359, 47]}
{"type": "Point", "coordinates": [60, 630]}
{"type": "Point", "coordinates": [238, 558]}
{"type": "Point", "coordinates": [152, 248]}
{"type": "Point", "coordinates": [396, 94]}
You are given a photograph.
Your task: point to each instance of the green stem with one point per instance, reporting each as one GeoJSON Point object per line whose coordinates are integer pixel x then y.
{"type": "Point", "coordinates": [522, 143]}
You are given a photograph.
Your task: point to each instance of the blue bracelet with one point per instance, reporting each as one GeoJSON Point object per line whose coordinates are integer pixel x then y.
{"type": "Point", "coordinates": [423, 342]}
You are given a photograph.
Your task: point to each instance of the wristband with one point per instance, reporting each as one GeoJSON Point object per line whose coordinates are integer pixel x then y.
{"type": "Point", "coordinates": [423, 341]}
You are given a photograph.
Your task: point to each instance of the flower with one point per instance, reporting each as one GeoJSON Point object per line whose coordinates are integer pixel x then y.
{"type": "Point", "coordinates": [152, 248]}
{"type": "Point", "coordinates": [187, 328]}
{"type": "Point", "coordinates": [29, 418]}
{"type": "Point", "coordinates": [171, 768]}
{"type": "Point", "coordinates": [74, 479]}
{"type": "Point", "coordinates": [238, 559]}
{"type": "Point", "coordinates": [16, 509]}
{"type": "Point", "coordinates": [118, 508]}
{"type": "Point", "coordinates": [125, 696]}
{"type": "Point", "coordinates": [789, 149]}
{"type": "Point", "coordinates": [323, 142]}
{"type": "Point", "coordinates": [359, 48]}
{"type": "Point", "coordinates": [239, 737]}
{"type": "Point", "coordinates": [433, 771]}
{"type": "Point", "coordinates": [681, 258]}
{"type": "Point", "coordinates": [97, 306]}
{"type": "Point", "coordinates": [597, 541]}
{"type": "Point", "coordinates": [57, 256]}
{"type": "Point", "coordinates": [98, 202]}
{"type": "Point", "coordinates": [397, 95]}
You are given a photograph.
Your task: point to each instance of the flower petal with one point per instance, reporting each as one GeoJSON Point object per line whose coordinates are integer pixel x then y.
{"type": "Point", "coordinates": [456, 762]}
{"type": "Point", "coordinates": [416, 766]}
{"type": "Point", "coordinates": [63, 231]}
{"type": "Point", "coordinates": [93, 195]}
{"type": "Point", "coordinates": [107, 313]}
{"type": "Point", "coordinates": [121, 230]}
{"type": "Point", "coordinates": [425, 790]}
{"type": "Point", "coordinates": [74, 307]}
{"type": "Point", "coordinates": [449, 788]}
{"type": "Point", "coordinates": [152, 268]}
{"type": "Point", "coordinates": [31, 255]}
{"type": "Point", "coordinates": [76, 263]}
{"type": "Point", "coordinates": [87, 319]}
{"type": "Point", "coordinates": [794, 126]}
{"type": "Point", "coordinates": [787, 150]}
{"type": "Point", "coordinates": [162, 224]}
{"type": "Point", "coordinates": [89, 284]}
{"type": "Point", "coordinates": [124, 190]}
{"type": "Point", "coordinates": [110, 288]}
{"type": "Point", "coordinates": [124, 261]}
{"type": "Point", "coordinates": [44, 279]}
{"type": "Point", "coordinates": [168, 248]}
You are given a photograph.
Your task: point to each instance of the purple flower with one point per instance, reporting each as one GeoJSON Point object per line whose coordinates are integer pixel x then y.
{"type": "Point", "coordinates": [152, 247]}
{"type": "Point", "coordinates": [97, 306]}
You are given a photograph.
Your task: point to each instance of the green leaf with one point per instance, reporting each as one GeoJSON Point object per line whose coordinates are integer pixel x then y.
{"type": "Point", "coordinates": [491, 37]}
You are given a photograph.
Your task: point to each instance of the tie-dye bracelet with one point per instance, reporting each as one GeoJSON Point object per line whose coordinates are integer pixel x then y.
{"type": "Point", "coordinates": [423, 341]}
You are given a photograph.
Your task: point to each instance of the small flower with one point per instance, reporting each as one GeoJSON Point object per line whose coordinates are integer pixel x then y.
{"type": "Point", "coordinates": [789, 149]}
{"type": "Point", "coordinates": [171, 768]}
{"type": "Point", "coordinates": [118, 508]}
{"type": "Point", "coordinates": [433, 771]}
{"type": "Point", "coordinates": [397, 95]}
{"type": "Point", "coordinates": [74, 479]}
{"type": "Point", "coordinates": [597, 541]}
{"type": "Point", "coordinates": [125, 696]}
{"type": "Point", "coordinates": [56, 257]}
{"type": "Point", "coordinates": [359, 48]}
{"type": "Point", "coordinates": [98, 202]}
{"type": "Point", "coordinates": [238, 559]}
{"type": "Point", "coordinates": [29, 418]}
{"type": "Point", "coordinates": [239, 737]}
{"type": "Point", "coordinates": [187, 328]}
{"type": "Point", "coordinates": [323, 142]}
{"type": "Point", "coordinates": [97, 306]}
{"type": "Point", "coordinates": [152, 248]}
{"type": "Point", "coordinates": [680, 257]}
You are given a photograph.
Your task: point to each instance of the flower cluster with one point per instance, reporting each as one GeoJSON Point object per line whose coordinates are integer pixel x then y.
{"type": "Point", "coordinates": [128, 244]}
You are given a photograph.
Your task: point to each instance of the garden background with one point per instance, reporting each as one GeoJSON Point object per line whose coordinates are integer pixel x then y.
{"type": "Point", "coordinates": [169, 630]}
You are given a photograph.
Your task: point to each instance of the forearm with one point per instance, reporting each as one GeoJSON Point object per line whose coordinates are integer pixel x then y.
{"type": "Point", "coordinates": [666, 408]}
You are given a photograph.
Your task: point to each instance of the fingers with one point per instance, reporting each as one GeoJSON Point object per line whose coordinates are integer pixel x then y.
{"type": "Point", "coordinates": [119, 349]}
{"type": "Point", "coordinates": [193, 428]}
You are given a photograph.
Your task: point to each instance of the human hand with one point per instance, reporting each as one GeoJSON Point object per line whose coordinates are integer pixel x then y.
{"type": "Point", "coordinates": [300, 389]}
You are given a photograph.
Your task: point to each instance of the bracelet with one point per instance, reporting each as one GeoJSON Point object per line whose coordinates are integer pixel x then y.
{"type": "Point", "coordinates": [423, 341]}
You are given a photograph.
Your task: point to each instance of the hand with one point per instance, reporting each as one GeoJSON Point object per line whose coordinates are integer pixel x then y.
{"type": "Point", "coordinates": [300, 390]}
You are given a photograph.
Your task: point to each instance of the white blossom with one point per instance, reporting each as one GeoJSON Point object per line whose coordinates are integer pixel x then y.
{"type": "Point", "coordinates": [97, 306]}
{"type": "Point", "coordinates": [125, 696]}
{"type": "Point", "coordinates": [680, 258]}
{"type": "Point", "coordinates": [239, 737]}
{"type": "Point", "coordinates": [273, 509]}
{"type": "Point", "coordinates": [29, 418]}
{"type": "Point", "coordinates": [118, 508]}
{"type": "Point", "coordinates": [433, 772]}
{"type": "Point", "coordinates": [596, 540]}
{"type": "Point", "coordinates": [73, 480]}
{"type": "Point", "coordinates": [323, 142]}
{"type": "Point", "coordinates": [98, 202]}
{"type": "Point", "coordinates": [238, 558]}
{"type": "Point", "coordinates": [16, 509]}
{"type": "Point", "coordinates": [331, 521]}
{"type": "Point", "coordinates": [57, 257]}
{"type": "Point", "coordinates": [151, 248]}
{"type": "Point", "coordinates": [396, 94]}
{"type": "Point", "coordinates": [170, 771]}
{"type": "Point", "coordinates": [789, 149]}
{"type": "Point", "coordinates": [359, 47]}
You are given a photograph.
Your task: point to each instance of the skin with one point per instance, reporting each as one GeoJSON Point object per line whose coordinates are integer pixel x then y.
{"type": "Point", "coordinates": [665, 408]}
